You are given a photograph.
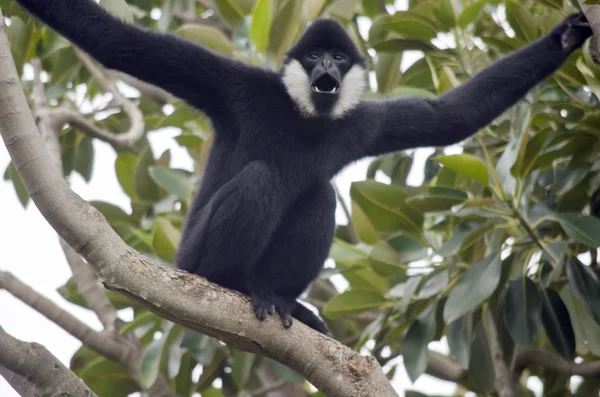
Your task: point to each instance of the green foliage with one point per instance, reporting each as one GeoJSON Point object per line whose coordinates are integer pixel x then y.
{"type": "Point", "coordinates": [508, 227]}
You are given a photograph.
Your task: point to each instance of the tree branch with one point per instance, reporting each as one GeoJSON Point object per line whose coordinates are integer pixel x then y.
{"type": "Point", "coordinates": [18, 382]}
{"type": "Point", "coordinates": [87, 284]}
{"type": "Point", "coordinates": [100, 342]}
{"type": "Point", "coordinates": [592, 13]}
{"type": "Point", "coordinates": [507, 385]}
{"type": "Point", "coordinates": [65, 114]}
{"type": "Point", "coordinates": [176, 295]}
{"type": "Point", "coordinates": [555, 363]}
{"type": "Point", "coordinates": [38, 366]}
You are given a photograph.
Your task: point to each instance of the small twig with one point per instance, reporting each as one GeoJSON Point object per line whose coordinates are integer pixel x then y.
{"type": "Point", "coordinates": [555, 363]}
{"type": "Point", "coordinates": [507, 385]}
{"type": "Point", "coordinates": [100, 342]}
{"type": "Point", "coordinates": [351, 230]}
{"type": "Point", "coordinates": [38, 366]}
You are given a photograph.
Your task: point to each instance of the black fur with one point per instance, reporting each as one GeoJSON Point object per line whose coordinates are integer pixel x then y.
{"type": "Point", "coordinates": [263, 220]}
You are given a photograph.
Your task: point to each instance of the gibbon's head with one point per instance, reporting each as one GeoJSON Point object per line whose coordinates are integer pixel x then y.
{"type": "Point", "coordinates": [324, 73]}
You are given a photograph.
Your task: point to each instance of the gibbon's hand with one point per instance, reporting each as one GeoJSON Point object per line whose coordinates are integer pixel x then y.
{"type": "Point", "coordinates": [573, 31]}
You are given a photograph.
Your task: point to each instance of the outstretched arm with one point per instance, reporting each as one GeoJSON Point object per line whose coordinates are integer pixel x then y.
{"type": "Point", "coordinates": [462, 111]}
{"type": "Point", "coordinates": [188, 71]}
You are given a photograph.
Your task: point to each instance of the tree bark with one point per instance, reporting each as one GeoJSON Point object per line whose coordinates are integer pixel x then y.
{"type": "Point", "coordinates": [181, 297]}
{"type": "Point", "coordinates": [31, 362]}
{"type": "Point", "coordinates": [592, 13]}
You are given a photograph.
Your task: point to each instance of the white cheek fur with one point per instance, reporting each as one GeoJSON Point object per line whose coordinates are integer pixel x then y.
{"type": "Point", "coordinates": [297, 84]}
{"type": "Point", "coordinates": [351, 91]}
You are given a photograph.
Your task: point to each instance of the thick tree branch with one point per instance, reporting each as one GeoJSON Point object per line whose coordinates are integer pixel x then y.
{"type": "Point", "coordinates": [176, 295]}
{"type": "Point", "coordinates": [555, 363]}
{"type": "Point", "coordinates": [592, 13]}
{"type": "Point", "coordinates": [18, 382]}
{"type": "Point", "coordinates": [87, 284]}
{"type": "Point", "coordinates": [38, 366]}
{"type": "Point", "coordinates": [121, 349]}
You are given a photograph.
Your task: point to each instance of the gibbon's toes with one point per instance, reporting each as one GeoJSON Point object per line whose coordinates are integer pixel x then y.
{"type": "Point", "coordinates": [262, 307]}
{"type": "Point", "coordinates": [284, 309]}
{"type": "Point", "coordinates": [287, 321]}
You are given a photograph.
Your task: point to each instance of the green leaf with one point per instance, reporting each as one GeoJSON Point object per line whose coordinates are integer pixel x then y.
{"type": "Point", "coordinates": [20, 37]}
{"type": "Point", "coordinates": [261, 24]}
{"type": "Point", "coordinates": [365, 230]}
{"type": "Point", "coordinates": [468, 165]}
{"type": "Point", "coordinates": [352, 302]}
{"type": "Point", "coordinates": [481, 367]}
{"type": "Point", "coordinates": [439, 199]}
{"type": "Point", "coordinates": [154, 353]}
{"type": "Point", "coordinates": [12, 175]}
{"type": "Point", "coordinates": [401, 45]}
{"type": "Point", "coordinates": [409, 25]}
{"type": "Point", "coordinates": [284, 371]}
{"type": "Point", "coordinates": [434, 284]}
{"type": "Point", "coordinates": [103, 377]}
{"type": "Point", "coordinates": [460, 339]}
{"type": "Point", "coordinates": [384, 260]}
{"type": "Point", "coordinates": [471, 12]}
{"type": "Point", "coordinates": [118, 8]}
{"type": "Point", "coordinates": [207, 36]}
{"type": "Point", "coordinates": [364, 278]}
{"type": "Point", "coordinates": [229, 11]}
{"type": "Point", "coordinates": [165, 239]}
{"type": "Point", "coordinates": [585, 286]}
{"type": "Point", "coordinates": [385, 207]}
{"type": "Point", "coordinates": [285, 27]}
{"type": "Point", "coordinates": [582, 228]}
{"type": "Point", "coordinates": [84, 159]}
{"type": "Point", "coordinates": [172, 181]}
{"type": "Point", "coordinates": [522, 312]}
{"type": "Point", "coordinates": [521, 21]}
{"type": "Point", "coordinates": [346, 254]}
{"type": "Point", "coordinates": [557, 323]}
{"type": "Point", "coordinates": [414, 348]}
{"type": "Point", "coordinates": [475, 286]}
{"type": "Point", "coordinates": [241, 369]}
{"type": "Point", "coordinates": [408, 248]}
{"type": "Point", "coordinates": [111, 212]}
{"type": "Point", "coordinates": [125, 169]}
{"type": "Point", "coordinates": [587, 331]}
{"type": "Point", "coordinates": [145, 187]}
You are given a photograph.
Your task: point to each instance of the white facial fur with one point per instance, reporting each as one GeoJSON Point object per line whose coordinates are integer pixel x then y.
{"type": "Point", "coordinates": [297, 84]}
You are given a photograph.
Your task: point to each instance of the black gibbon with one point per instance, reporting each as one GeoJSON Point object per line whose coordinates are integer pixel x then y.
{"type": "Point", "coordinates": [263, 220]}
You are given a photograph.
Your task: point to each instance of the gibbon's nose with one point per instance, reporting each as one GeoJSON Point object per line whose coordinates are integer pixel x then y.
{"type": "Point", "coordinates": [327, 61]}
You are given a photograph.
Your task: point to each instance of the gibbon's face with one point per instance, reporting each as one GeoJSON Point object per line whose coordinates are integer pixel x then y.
{"type": "Point", "coordinates": [324, 73]}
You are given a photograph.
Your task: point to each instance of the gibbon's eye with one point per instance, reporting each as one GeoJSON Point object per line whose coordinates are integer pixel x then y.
{"type": "Point", "coordinates": [338, 57]}
{"type": "Point", "coordinates": [313, 56]}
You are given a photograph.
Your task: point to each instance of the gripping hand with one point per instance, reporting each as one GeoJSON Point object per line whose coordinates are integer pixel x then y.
{"type": "Point", "coordinates": [573, 32]}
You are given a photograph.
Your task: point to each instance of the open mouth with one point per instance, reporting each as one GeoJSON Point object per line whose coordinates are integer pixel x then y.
{"type": "Point", "coordinates": [326, 84]}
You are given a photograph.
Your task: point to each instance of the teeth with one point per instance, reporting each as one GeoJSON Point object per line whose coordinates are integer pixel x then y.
{"type": "Point", "coordinates": [331, 91]}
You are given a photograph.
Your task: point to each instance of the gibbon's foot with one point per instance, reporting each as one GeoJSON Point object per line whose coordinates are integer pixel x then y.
{"type": "Point", "coordinates": [284, 308]}
{"type": "Point", "coordinates": [263, 305]}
